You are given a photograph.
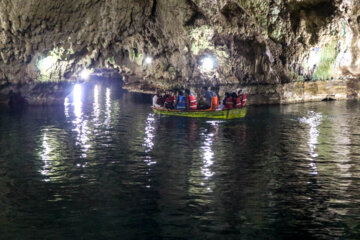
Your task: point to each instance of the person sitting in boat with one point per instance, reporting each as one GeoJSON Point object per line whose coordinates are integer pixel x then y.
{"type": "Point", "coordinates": [161, 100]}
{"type": "Point", "coordinates": [243, 98]}
{"type": "Point", "coordinates": [181, 101]}
{"type": "Point", "coordinates": [234, 97]}
{"type": "Point", "coordinates": [209, 101]}
{"type": "Point", "coordinates": [238, 101]}
{"type": "Point", "coordinates": [228, 101]}
{"type": "Point", "coordinates": [191, 103]}
{"type": "Point", "coordinates": [170, 100]}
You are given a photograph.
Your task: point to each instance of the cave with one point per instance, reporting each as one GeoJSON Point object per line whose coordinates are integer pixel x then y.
{"type": "Point", "coordinates": [53, 42]}
{"type": "Point", "coordinates": [179, 119]}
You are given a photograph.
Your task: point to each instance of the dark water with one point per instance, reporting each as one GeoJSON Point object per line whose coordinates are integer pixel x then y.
{"type": "Point", "coordinates": [104, 167]}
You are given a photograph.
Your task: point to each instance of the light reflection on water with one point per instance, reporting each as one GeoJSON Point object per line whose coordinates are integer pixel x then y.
{"type": "Point", "coordinates": [106, 160]}
{"type": "Point", "coordinates": [313, 120]}
{"type": "Point", "coordinates": [148, 144]}
{"type": "Point", "coordinates": [208, 153]}
{"type": "Point", "coordinates": [45, 155]}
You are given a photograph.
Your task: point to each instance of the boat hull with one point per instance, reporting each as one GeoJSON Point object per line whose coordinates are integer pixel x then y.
{"type": "Point", "coordinates": [222, 114]}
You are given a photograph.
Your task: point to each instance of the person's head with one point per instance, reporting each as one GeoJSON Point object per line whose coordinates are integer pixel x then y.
{"type": "Point", "coordinates": [187, 91]}
{"type": "Point", "coordinates": [180, 93]}
{"type": "Point", "coordinates": [227, 94]}
{"type": "Point", "coordinates": [206, 88]}
{"type": "Point", "coordinates": [158, 93]}
{"type": "Point", "coordinates": [234, 95]}
{"type": "Point", "coordinates": [239, 92]}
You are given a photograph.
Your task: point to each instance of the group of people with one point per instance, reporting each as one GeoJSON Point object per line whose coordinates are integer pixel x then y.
{"type": "Point", "coordinates": [178, 100]}
{"type": "Point", "coordinates": [233, 100]}
{"type": "Point", "coordinates": [175, 100]}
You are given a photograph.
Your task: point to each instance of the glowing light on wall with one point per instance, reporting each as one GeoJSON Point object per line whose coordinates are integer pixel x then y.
{"type": "Point", "coordinates": [345, 59]}
{"type": "Point", "coordinates": [85, 74]}
{"type": "Point", "coordinates": [46, 63]}
{"type": "Point", "coordinates": [148, 60]}
{"type": "Point", "coordinates": [314, 58]}
{"type": "Point", "coordinates": [208, 64]}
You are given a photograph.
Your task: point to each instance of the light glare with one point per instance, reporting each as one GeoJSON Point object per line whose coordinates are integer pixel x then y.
{"type": "Point", "coordinates": [47, 63]}
{"type": "Point", "coordinates": [85, 74]}
{"type": "Point", "coordinates": [208, 64]}
{"type": "Point", "coordinates": [148, 60]}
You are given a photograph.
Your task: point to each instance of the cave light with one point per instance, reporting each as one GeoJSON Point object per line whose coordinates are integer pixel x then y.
{"type": "Point", "coordinates": [314, 58]}
{"type": "Point", "coordinates": [148, 60]}
{"type": "Point", "coordinates": [208, 63]}
{"type": "Point", "coordinates": [85, 74]}
{"type": "Point", "coordinates": [46, 63]}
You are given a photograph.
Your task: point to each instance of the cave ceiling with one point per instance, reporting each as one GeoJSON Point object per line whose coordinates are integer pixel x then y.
{"type": "Point", "coordinates": [165, 43]}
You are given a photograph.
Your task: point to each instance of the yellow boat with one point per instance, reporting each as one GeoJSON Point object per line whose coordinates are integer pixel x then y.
{"type": "Point", "coordinates": [207, 113]}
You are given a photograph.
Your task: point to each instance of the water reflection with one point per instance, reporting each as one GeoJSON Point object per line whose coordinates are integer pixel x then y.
{"type": "Point", "coordinates": [67, 107]}
{"type": "Point", "coordinates": [77, 100]}
{"type": "Point", "coordinates": [96, 104]}
{"type": "Point", "coordinates": [149, 144]}
{"type": "Point", "coordinates": [108, 108]}
{"type": "Point", "coordinates": [313, 120]}
{"type": "Point", "coordinates": [80, 122]}
{"type": "Point", "coordinates": [45, 155]}
{"type": "Point", "coordinates": [240, 179]}
{"type": "Point", "coordinates": [208, 153]}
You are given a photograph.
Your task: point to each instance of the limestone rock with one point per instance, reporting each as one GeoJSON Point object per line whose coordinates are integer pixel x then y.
{"type": "Point", "coordinates": [251, 41]}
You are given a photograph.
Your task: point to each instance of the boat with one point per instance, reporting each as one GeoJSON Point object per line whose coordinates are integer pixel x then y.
{"type": "Point", "coordinates": [206, 113]}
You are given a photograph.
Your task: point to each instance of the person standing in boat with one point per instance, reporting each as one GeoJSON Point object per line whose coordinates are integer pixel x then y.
{"type": "Point", "coordinates": [155, 99]}
{"type": "Point", "coordinates": [209, 96]}
{"type": "Point", "coordinates": [181, 101]}
{"type": "Point", "coordinates": [191, 103]}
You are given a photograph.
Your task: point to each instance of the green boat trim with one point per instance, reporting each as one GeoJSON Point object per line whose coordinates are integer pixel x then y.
{"type": "Point", "coordinates": [222, 114]}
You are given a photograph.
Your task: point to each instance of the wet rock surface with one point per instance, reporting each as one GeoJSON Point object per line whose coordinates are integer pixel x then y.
{"type": "Point", "coordinates": [163, 43]}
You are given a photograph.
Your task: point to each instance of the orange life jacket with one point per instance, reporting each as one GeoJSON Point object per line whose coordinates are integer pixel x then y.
{"type": "Point", "coordinates": [214, 102]}
{"type": "Point", "coordinates": [229, 104]}
{"type": "Point", "coordinates": [243, 100]}
{"type": "Point", "coordinates": [193, 102]}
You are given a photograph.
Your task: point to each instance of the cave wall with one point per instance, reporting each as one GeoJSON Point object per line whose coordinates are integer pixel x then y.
{"type": "Point", "coordinates": [253, 42]}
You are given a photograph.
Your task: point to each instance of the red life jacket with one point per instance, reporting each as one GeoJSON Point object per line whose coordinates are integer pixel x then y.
{"type": "Point", "coordinates": [238, 102]}
{"type": "Point", "coordinates": [243, 100]}
{"type": "Point", "coordinates": [160, 101]}
{"type": "Point", "coordinates": [193, 102]}
{"type": "Point", "coordinates": [229, 104]}
{"type": "Point", "coordinates": [169, 102]}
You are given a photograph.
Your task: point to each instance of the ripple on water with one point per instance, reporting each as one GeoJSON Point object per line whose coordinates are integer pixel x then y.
{"type": "Point", "coordinates": [104, 167]}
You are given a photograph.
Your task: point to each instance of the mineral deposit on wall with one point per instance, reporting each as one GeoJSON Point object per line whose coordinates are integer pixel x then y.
{"type": "Point", "coordinates": [252, 42]}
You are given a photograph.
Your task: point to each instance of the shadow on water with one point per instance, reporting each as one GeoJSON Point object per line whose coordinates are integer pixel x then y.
{"type": "Point", "coordinates": [103, 166]}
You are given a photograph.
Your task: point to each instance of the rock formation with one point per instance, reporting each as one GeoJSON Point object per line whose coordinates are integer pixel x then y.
{"type": "Point", "coordinates": [164, 43]}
